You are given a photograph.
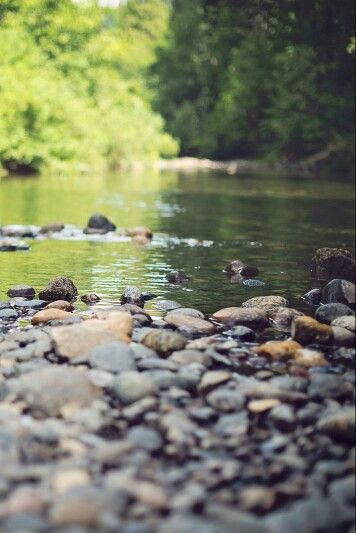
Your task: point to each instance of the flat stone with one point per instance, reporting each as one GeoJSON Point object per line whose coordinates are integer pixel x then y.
{"type": "Point", "coordinates": [267, 303]}
{"type": "Point", "coordinates": [8, 314]}
{"type": "Point", "coordinates": [186, 311]}
{"type": "Point", "coordinates": [280, 350]}
{"type": "Point", "coordinates": [24, 304]}
{"type": "Point", "coordinates": [226, 400]}
{"type": "Point", "coordinates": [329, 312]}
{"type": "Point", "coordinates": [77, 341]}
{"type": "Point", "coordinates": [114, 357]}
{"type": "Point", "coordinates": [164, 342]}
{"type": "Point", "coordinates": [213, 379]}
{"type": "Point", "coordinates": [131, 386]}
{"type": "Point", "coordinates": [253, 318]}
{"type": "Point", "coordinates": [307, 330]}
{"type": "Point", "coordinates": [309, 358]}
{"type": "Point", "coordinates": [167, 305]}
{"type": "Point", "coordinates": [50, 389]}
{"type": "Point", "coordinates": [197, 325]}
{"type": "Point", "coordinates": [47, 315]}
{"type": "Point", "coordinates": [261, 406]}
{"type": "Point", "coordinates": [63, 305]}
{"type": "Point", "coordinates": [24, 291]}
{"type": "Point", "coordinates": [66, 479]}
{"type": "Point", "coordinates": [186, 357]}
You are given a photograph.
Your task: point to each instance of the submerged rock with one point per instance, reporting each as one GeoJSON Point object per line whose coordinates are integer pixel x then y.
{"type": "Point", "coordinates": [90, 299]}
{"type": "Point", "coordinates": [240, 268]}
{"type": "Point", "coordinates": [132, 295]}
{"type": "Point", "coordinates": [99, 224]}
{"type": "Point", "coordinates": [54, 227]}
{"type": "Point", "coordinates": [177, 276]}
{"type": "Point", "coordinates": [61, 288]}
{"type": "Point", "coordinates": [12, 245]}
{"type": "Point", "coordinates": [140, 232]}
{"type": "Point", "coordinates": [330, 263]}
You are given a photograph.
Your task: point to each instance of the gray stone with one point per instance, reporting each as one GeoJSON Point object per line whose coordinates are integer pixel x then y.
{"type": "Point", "coordinates": [146, 438]}
{"type": "Point", "coordinates": [114, 357]}
{"type": "Point", "coordinates": [343, 337]}
{"type": "Point", "coordinates": [339, 291]}
{"type": "Point", "coordinates": [283, 417]}
{"type": "Point", "coordinates": [226, 400]}
{"type": "Point", "coordinates": [24, 291]}
{"type": "Point", "coordinates": [164, 342]}
{"type": "Point", "coordinates": [329, 312]}
{"type": "Point", "coordinates": [131, 386]}
{"type": "Point", "coordinates": [8, 314]}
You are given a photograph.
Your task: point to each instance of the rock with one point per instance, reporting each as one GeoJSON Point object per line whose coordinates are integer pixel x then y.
{"type": "Point", "coordinates": [24, 291]}
{"type": "Point", "coordinates": [99, 224]}
{"type": "Point", "coordinates": [164, 342]}
{"type": "Point", "coordinates": [132, 295]}
{"type": "Point", "coordinates": [54, 227]}
{"type": "Point", "coordinates": [141, 240]}
{"type": "Point", "coordinates": [186, 311]}
{"type": "Point", "coordinates": [242, 333]}
{"type": "Point", "coordinates": [253, 317]}
{"type": "Point", "coordinates": [80, 506]}
{"type": "Point", "coordinates": [47, 315]}
{"type": "Point", "coordinates": [339, 291]}
{"type": "Point", "coordinates": [257, 498]}
{"type": "Point", "coordinates": [119, 323]}
{"type": "Point", "coordinates": [146, 438]}
{"type": "Point", "coordinates": [196, 325]}
{"type": "Point", "coordinates": [75, 342]}
{"type": "Point", "coordinates": [139, 232]}
{"type": "Point", "coordinates": [347, 322]}
{"type": "Point", "coordinates": [253, 283]}
{"type": "Point", "coordinates": [339, 424]}
{"type": "Point", "coordinates": [8, 315]}
{"type": "Point", "coordinates": [51, 388]}
{"type": "Point", "coordinates": [66, 479]}
{"type": "Point", "coordinates": [167, 305]}
{"type": "Point", "coordinates": [283, 417]}
{"type": "Point", "coordinates": [13, 245]}
{"type": "Point", "coordinates": [226, 400]}
{"type": "Point", "coordinates": [322, 386]}
{"type": "Point", "coordinates": [113, 357]}
{"type": "Point", "coordinates": [90, 299]}
{"type": "Point", "coordinates": [63, 305]}
{"type": "Point", "coordinates": [307, 330]}
{"type": "Point", "coordinates": [20, 230]}
{"type": "Point", "coordinates": [59, 289]}
{"type": "Point", "coordinates": [132, 386]}
{"type": "Point", "coordinates": [283, 317]}
{"type": "Point", "coordinates": [23, 500]}
{"type": "Point", "coordinates": [269, 304]}
{"type": "Point", "coordinates": [343, 337]}
{"type": "Point", "coordinates": [213, 379]}
{"type": "Point", "coordinates": [175, 277]}
{"type": "Point", "coordinates": [149, 494]}
{"type": "Point", "coordinates": [238, 267]}
{"type": "Point", "coordinates": [309, 358]}
{"type": "Point", "coordinates": [261, 406]}
{"type": "Point", "coordinates": [313, 297]}
{"type": "Point", "coordinates": [186, 357]}
{"type": "Point", "coordinates": [25, 305]}
{"type": "Point", "coordinates": [329, 312]}
{"type": "Point", "coordinates": [330, 263]}
{"type": "Point", "coordinates": [283, 350]}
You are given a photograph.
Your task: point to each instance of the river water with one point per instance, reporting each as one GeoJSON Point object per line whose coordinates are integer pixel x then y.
{"type": "Point", "coordinates": [202, 222]}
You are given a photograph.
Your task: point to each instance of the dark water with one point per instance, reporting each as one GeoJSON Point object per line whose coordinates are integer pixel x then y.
{"type": "Point", "coordinates": [202, 223]}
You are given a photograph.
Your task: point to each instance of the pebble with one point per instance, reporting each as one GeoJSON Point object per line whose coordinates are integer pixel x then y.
{"type": "Point", "coordinates": [261, 406]}
{"type": "Point", "coordinates": [226, 400]}
{"type": "Point", "coordinates": [131, 386]}
{"type": "Point", "coordinates": [196, 325]}
{"type": "Point", "coordinates": [164, 342]}
{"type": "Point", "coordinates": [212, 379]}
{"type": "Point", "coordinates": [146, 438]}
{"type": "Point", "coordinates": [113, 357]}
{"type": "Point", "coordinates": [280, 350]}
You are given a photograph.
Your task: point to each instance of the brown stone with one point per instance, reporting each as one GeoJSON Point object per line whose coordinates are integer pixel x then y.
{"type": "Point", "coordinates": [307, 330]}
{"type": "Point", "coordinates": [330, 263]}
{"type": "Point", "coordinates": [269, 304]}
{"type": "Point", "coordinates": [260, 406]}
{"type": "Point", "coordinates": [213, 379]}
{"type": "Point", "coordinates": [197, 324]}
{"type": "Point", "coordinates": [283, 317]}
{"type": "Point", "coordinates": [76, 341]}
{"type": "Point", "coordinates": [278, 349]}
{"type": "Point", "coordinates": [45, 316]}
{"type": "Point", "coordinates": [252, 317]}
{"type": "Point", "coordinates": [139, 232]}
{"type": "Point", "coordinates": [141, 240]}
{"type": "Point", "coordinates": [63, 305]}
{"type": "Point", "coordinates": [66, 479]}
{"type": "Point", "coordinates": [121, 324]}
{"type": "Point", "coordinates": [309, 358]}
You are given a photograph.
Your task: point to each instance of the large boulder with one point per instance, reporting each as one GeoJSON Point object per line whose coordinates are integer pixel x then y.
{"type": "Point", "coordinates": [59, 289]}
{"type": "Point", "coordinates": [339, 291]}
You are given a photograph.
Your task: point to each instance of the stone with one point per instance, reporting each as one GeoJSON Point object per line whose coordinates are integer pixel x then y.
{"type": "Point", "coordinates": [196, 325]}
{"type": "Point", "coordinates": [146, 438]}
{"type": "Point", "coordinates": [90, 299]}
{"type": "Point", "coordinates": [25, 305]}
{"type": "Point", "coordinates": [24, 291]}
{"type": "Point", "coordinates": [307, 330]}
{"type": "Point", "coordinates": [339, 424]}
{"type": "Point", "coordinates": [261, 406]}
{"type": "Point", "coordinates": [132, 295]}
{"type": "Point", "coordinates": [59, 289]}
{"type": "Point", "coordinates": [114, 357]}
{"type": "Point", "coordinates": [253, 283]}
{"type": "Point", "coordinates": [51, 388]}
{"type": "Point", "coordinates": [80, 506]}
{"type": "Point", "coordinates": [66, 479]}
{"type": "Point", "coordinates": [226, 400]}
{"type": "Point", "coordinates": [257, 498]}
{"type": "Point", "coordinates": [175, 277]}
{"type": "Point", "coordinates": [140, 232]}
{"type": "Point", "coordinates": [283, 317]}
{"type": "Point", "coordinates": [242, 333]}
{"type": "Point", "coordinates": [343, 337]}
{"type": "Point", "coordinates": [238, 267]}
{"type": "Point", "coordinates": [23, 500]}
{"type": "Point", "coordinates": [53, 227]}
{"type": "Point", "coordinates": [20, 230]}
{"type": "Point", "coordinates": [309, 358]}
{"type": "Point", "coordinates": [185, 357]}
{"type": "Point", "coordinates": [164, 342]}
{"type": "Point", "coordinates": [252, 318]}
{"type": "Point", "coordinates": [146, 492]}
{"type": "Point", "coordinates": [119, 323]}
{"type": "Point", "coordinates": [8, 314]}
{"type": "Point", "coordinates": [99, 224]}
{"type": "Point", "coordinates": [339, 291]}
{"type": "Point", "coordinates": [132, 386]}
{"type": "Point", "coordinates": [331, 263]}
{"type": "Point", "coordinates": [47, 315]}
{"type": "Point", "coordinates": [63, 305]}
{"type": "Point", "coordinates": [283, 417]}
{"type": "Point", "coordinates": [267, 303]}
{"type": "Point", "coordinates": [280, 350]}
{"type": "Point", "coordinates": [167, 305]}
{"type": "Point", "coordinates": [346, 322]}
{"type": "Point", "coordinates": [76, 341]}
{"type": "Point", "coordinates": [329, 312]}
{"type": "Point", "coordinates": [313, 297]}
{"type": "Point", "coordinates": [322, 386]}
{"type": "Point", "coordinates": [9, 244]}
{"type": "Point", "coordinates": [213, 379]}
{"type": "Point", "coordinates": [186, 311]}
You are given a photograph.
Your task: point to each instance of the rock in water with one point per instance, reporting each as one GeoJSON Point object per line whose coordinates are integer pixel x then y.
{"type": "Point", "coordinates": [238, 267]}
{"type": "Point", "coordinates": [22, 291]}
{"type": "Point", "coordinates": [59, 289]}
{"type": "Point", "coordinates": [132, 295]}
{"type": "Point", "coordinates": [177, 276]}
{"type": "Point", "coordinates": [329, 263]}
{"type": "Point", "coordinates": [313, 297]}
{"type": "Point", "coordinates": [90, 299]}
{"type": "Point", "coordinates": [339, 291]}
{"type": "Point", "coordinates": [329, 312]}
{"type": "Point", "coordinates": [99, 224]}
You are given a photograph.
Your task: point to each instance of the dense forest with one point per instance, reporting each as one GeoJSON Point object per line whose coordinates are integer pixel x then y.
{"type": "Point", "coordinates": [90, 86]}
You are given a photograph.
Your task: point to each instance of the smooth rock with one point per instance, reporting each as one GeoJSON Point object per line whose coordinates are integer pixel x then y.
{"type": "Point", "coordinates": [309, 358]}
{"type": "Point", "coordinates": [164, 342]}
{"type": "Point", "coordinates": [261, 406]}
{"type": "Point", "coordinates": [47, 315]}
{"type": "Point", "coordinates": [63, 305]}
{"type": "Point", "coordinates": [9, 244]}
{"type": "Point", "coordinates": [253, 318]}
{"type": "Point", "coordinates": [226, 400]}
{"type": "Point", "coordinates": [24, 291]}
{"type": "Point", "coordinates": [66, 479]}
{"type": "Point", "coordinates": [213, 379]}
{"type": "Point", "coordinates": [307, 330]}
{"type": "Point", "coordinates": [331, 263]}
{"type": "Point", "coordinates": [175, 277]}
{"type": "Point", "coordinates": [99, 224]}
{"type": "Point", "coordinates": [186, 357]}
{"type": "Point", "coordinates": [90, 299]}
{"type": "Point", "coordinates": [313, 297]}
{"type": "Point", "coordinates": [131, 386]}
{"type": "Point", "coordinates": [139, 232]}
{"type": "Point", "coordinates": [59, 289]}
{"type": "Point", "coordinates": [343, 337]}
{"type": "Point", "coordinates": [8, 315]}
{"type": "Point", "coordinates": [196, 325]}
{"type": "Point", "coordinates": [238, 267]}
{"type": "Point", "coordinates": [339, 424]}
{"type": "Point", "coordinates": [329, 312]}
{"type": "Point", "coordinates": [242, 333]}
{"type": "Point", "coordinates": [77, 341]}
{"type": "Point", "coordinates": [339, 291]}
{"type": "Point", "coordinates": [283, 417]}
{"type": "Point", "coordinates": [113, 357]}
{"type": "Point", "coordinates": [267, 303]}
{"type": "Point", "coordinates": [280, 350]}
{"type": "Point", "coordinates": [54, 227]}
{"type": "Point", "coordinates": [346, 322]}
{"type": "Point", "coordinates": [283, 317]}
{"type": "Point", "coordinates": [167, 305]}
{"type": "Point", "coordinates": [146, 438]}
{"type": "Point", "coordinates": [186, 311]}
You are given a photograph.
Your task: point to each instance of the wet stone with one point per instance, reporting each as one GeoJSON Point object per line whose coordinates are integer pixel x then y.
{"type": "Point", "coordinates": [333, 263]}
{"type": "Point", "coordinates": [8, 314]}
{"type": "Point", "coordinates": [242, 333]}
{"type": "Point", "coordinates": [90, 299]}
{"type": "Point", "coordinates": [99, 224]}
{"type": "Point", "coordinates": [132, 295]}
{"type": "Point", "coordinates": [167, 305]}
{"type": "Point", "coordinates": [196, 325]}
{"type": "Point", "coordinates": [346, 322]}
{"type": "Point", "coordinates": [175, 277]}
{"type": "Point", "coordinates": [267, 303]}
{"type": "Point", "coordinates": [226, 400]}
{"type": "Point", "coordinates": [252, 318]}
{"type": "Point", "coordinates": [186, 311]}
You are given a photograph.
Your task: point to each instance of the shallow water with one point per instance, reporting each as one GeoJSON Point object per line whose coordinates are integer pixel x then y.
{"type": "Point", "coordinates": [202, 222]}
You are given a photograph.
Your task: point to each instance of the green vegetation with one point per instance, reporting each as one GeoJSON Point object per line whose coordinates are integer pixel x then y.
{"type": "Point", "coordinates": [84, 86]}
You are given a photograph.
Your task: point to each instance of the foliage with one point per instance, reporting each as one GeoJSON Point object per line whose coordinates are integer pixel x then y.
{"type": "Point", "coordinates": [258, 78]}
{"type": "Point", "coordinates": [72, 90]}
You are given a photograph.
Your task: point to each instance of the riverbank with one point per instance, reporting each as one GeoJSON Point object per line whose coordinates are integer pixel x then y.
{"type": "Point", "coordinates": [116, 419]}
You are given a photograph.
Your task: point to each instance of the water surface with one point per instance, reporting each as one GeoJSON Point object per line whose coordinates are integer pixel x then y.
{"type": "Point", "coordinates": [203, 221]}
